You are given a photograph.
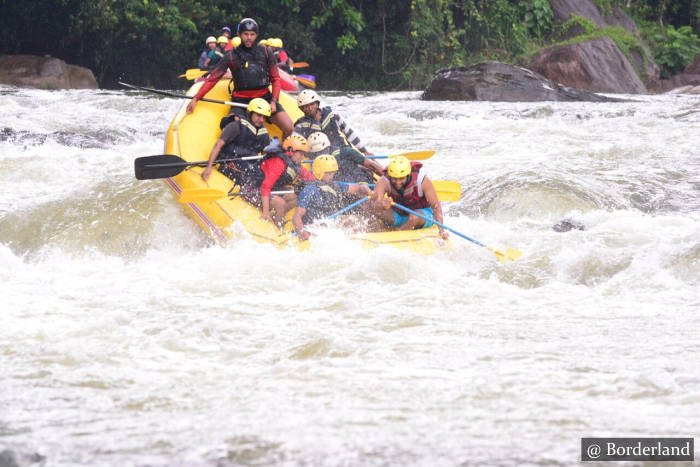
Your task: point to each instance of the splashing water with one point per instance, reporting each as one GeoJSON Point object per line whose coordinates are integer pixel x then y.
{"type": "Point", "coordinates": [129, 337]}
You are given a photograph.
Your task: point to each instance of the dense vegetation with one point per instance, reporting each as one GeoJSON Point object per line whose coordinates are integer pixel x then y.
{"type": "Point", "coordinates": [352, 44]}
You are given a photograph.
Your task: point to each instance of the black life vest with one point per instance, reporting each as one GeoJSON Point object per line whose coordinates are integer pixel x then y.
{"type": "Point", "coordinates": [327, 124]}
{"type": "Point", "coordinates": [250, 141]}
{"type": "Point", "coordinates": [412, 195]}
{"type": "Point", "coordinates": [250, 67]}
{"type": "Point", "coordinates": [331, 202]}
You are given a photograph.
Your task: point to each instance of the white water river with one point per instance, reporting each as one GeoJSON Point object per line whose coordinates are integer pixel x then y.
{"type": "Point", "coordinates": [127, 337]}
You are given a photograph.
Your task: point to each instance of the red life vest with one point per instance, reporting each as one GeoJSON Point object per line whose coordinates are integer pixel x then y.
{"type": "Point", "coordinates": [412, 195]}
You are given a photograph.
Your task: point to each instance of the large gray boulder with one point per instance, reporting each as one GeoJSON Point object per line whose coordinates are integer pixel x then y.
{"type": "Point", "coordinates": [596, 65]}
{"type": "Point", "coordinates": [619, 18]}
{"type": "Point", "coordinates": [495, 81]}
{"type": "Point", "coordinates": [563, 9]}
{"type": "Point", "coordinates": [686, 82]}
{"type": "Point", "coordinates": [641, 60]}
{"type": "Point", "coordinates": [31, 71]}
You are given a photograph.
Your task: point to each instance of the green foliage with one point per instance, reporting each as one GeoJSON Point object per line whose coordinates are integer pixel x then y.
{"type": "Point", "coordinates": [537, 17]}
{"type": "Point", "coordinates": [383, 44]}
{"type": "Point", "coordinates": [586, 25]}
{"type": "Point", "coordinates": [673, 49]}
{"type": "Point", "coordinates": [605, 6]}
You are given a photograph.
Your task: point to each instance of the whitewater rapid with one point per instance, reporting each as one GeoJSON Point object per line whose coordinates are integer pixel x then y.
{"type": "Point", "coordinates": [129, 337]}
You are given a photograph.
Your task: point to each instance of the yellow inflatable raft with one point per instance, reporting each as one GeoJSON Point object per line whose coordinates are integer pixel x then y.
{"type": "Point", "coordinates": [192, 137]}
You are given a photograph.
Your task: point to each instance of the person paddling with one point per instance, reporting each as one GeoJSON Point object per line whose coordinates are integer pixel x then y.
{"type": "Point", "coordinates": [340, 135]}
{"type": "Point", "coordinates": [280, 170]}
{"type": "Point", "coordinates": [406, 184]}
{"type": "Point", "coordinates": [284, 61]}
{"type": "Point", "coordinates": [211, 45]}
{"type": "Point", "coordinates": [216, 54]}
{"type": "Point", "coordinates": [253, 68]}
{"type": "Point", "coordinates": [324, 197]}
{"type": "Point", "coordinates": [350, 161]}
{"type": "Point", "coordinates": [246, 137]}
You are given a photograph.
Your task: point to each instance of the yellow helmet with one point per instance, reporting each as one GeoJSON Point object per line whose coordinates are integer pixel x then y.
{"type": "Point", "coordinates": [236, 41]}
{"type": "Point", "coordinates": [307, 96]}
{"type": "Point", "coordinates": [262, 42]}
{"type": "Point", "coordinates": [295, 142]}
{"type": "Point", "coordinates": [222, 40]}
{"type": "Point", "coordinates": [274, 42]}
{"type": "Point", "coordinates": [318, 141]}
{"type": "Point", "coordinates": [259, 106]}
{"type": "Point", "coordinates": [322, 164]}
{"type": "Point", "coordinates": [399, 167]}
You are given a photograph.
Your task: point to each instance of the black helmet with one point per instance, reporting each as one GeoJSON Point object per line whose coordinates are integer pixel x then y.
{"type": "Point", "coordinates": [247, 24]}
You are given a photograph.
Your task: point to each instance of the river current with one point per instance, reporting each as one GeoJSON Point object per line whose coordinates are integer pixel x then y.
{"type": "Point", "coordinates": [128, 337]}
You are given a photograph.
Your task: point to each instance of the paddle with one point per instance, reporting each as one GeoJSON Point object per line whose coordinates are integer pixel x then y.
{"type": "Point", "coordinates": [182, 96]}
{"type": "Point", "coordinates": [447, 190]}
{"type": "Point", "coordinates": [300, 65]}
{"type": "Point", "coordinates": [511, 254]}
{"type": "Point", "coordinates": [207, 195]}
{"type": "Point", "coordinates": [193, 73]}
{"type": "Point", "coordinates": [411, 156]}
{"type": "Point", "coordinates": [169, 165]}
{"type": "Point", "coordinates": [348, 207]}
{"type": "Point", "coordinates": [306, 82]}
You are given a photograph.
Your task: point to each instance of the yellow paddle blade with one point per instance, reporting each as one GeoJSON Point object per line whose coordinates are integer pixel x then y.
{"type": "Point", "coordinates": [300, 65]}
{"type": "Point", "coordinates": [200, 195]}
{"type": "Point", "coordinates": [448, 190]}
{"type": "Point", "coordinates": [193, 73]}
{"type": "Point", "coordinates": [306, 82]}
{"type": "Point", "coordinates": [416, 155]}
{"type": "Point", "coordinates": [499, 254]}
{"type": "Point", "coordinates": [513, 254]}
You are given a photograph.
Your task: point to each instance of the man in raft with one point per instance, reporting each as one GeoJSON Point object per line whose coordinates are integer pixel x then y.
{"type": "Point", "coordinates": [253, 68]}
{"type": "Point", "coordinates": [245, 137]}
{"type": "Point", "coordinates": [341, 137]}
{"type": "Point", "coordinates": [284, 61]}
{"type": "Point", "coordinates": [351, 163]}
{"type": "Point", "coordinates": [323, 197]}
{"type": "Point", "coordinates": [405, 183]}
{"type": "Point", "coordinates": [280, 170]}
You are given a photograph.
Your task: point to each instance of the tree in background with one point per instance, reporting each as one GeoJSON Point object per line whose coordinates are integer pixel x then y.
{"type": "Point", "coordinates": [352, 44]}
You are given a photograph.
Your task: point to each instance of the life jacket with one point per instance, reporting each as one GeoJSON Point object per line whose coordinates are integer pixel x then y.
{"type": "Point", "coordinates": [249, 142]}
{"type": "Point", "coordinates": [218, 55]}
{"type": "Point", "coordinates": [289, 177]}
{"type": "Point", "coordinates": [331, 200]}
{"type": "Point", "coordinates": [327, 124]}
{"type": "Point", "coordinates": [412, 195]}
{"type": "Point", "coordinates": [250, 67]}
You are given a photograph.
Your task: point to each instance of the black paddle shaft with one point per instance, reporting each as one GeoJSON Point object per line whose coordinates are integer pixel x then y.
{"type": "Point", "coordinates": [165, 166]}
{"type": "Point", "coordinates": [181, 96]}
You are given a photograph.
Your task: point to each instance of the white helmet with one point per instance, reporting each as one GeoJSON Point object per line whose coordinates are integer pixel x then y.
{"type": "Point", "coordinates": [210, 39]}
{"type": "Point", "coordinates": [318, 141]}
{"type": "Point", "coordinates": [307, 96]}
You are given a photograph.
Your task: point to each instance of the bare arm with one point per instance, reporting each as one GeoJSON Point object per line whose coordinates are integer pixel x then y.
{"type": "Point", "coordinates": [374, 166]}
{"type": "Point", "coordinates": [298, 222]}
{"type": "Point", "coordinates": [359, 190]}
{"type": "Point", "coordinates": [380, 188]}
{"type": "Point", "coordinates": [432, 198]}
{"type": "Point", "coordinates": [212, 157]}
